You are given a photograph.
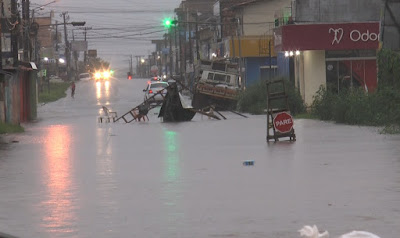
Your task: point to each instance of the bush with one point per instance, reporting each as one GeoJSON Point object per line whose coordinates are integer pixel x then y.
{"type": "Point", "coordinates": [381, 108]}
{"type": "Point", "coordinates": [254, 99]}
{"type": "Point", "coordinates": [389, 68]}
{"type": "Point", "coordinates": [9, 128]}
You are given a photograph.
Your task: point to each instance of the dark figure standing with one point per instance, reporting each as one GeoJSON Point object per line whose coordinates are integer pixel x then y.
{"type": "Point", "coordinates": [72, 89]}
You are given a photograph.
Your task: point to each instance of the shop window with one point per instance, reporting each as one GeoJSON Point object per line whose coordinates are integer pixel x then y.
{"type": "Point", "coordinates": [350, 74]}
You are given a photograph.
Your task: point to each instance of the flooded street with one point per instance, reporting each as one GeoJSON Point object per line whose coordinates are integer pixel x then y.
{"type": "Point", "coordinates": [70, 176]}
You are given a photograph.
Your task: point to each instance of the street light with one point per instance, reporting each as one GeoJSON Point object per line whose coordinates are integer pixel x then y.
{"type": "Point", "coordinates": [61, 60]}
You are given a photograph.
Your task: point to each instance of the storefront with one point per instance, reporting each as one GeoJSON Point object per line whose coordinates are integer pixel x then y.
{"type": "Point", "coordinates": [339, 56]}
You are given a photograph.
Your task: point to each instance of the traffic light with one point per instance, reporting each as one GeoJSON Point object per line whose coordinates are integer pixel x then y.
{"type": "Point", "coordinates": [78, 23]}
{"type": "Point", "coordinates": [168, 22]}
{"type": "Point", "coordinates": [129, 75]}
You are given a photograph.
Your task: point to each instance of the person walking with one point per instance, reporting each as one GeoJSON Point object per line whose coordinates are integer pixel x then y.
{"type": "Point", "coordinates": [72, 89]}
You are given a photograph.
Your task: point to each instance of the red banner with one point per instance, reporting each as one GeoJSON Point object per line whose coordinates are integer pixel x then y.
{"type": "Point", "coordinates": [344, 36]}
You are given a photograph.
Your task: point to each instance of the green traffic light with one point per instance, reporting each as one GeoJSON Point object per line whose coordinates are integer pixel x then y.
{"type": "Point", "coordinates": [167, 22]}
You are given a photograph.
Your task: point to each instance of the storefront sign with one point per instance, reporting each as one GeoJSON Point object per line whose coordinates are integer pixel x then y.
{"type": "Point", "coordinates": [345, 36]}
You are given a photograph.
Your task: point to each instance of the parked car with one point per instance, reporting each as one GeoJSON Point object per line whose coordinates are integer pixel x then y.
{"type": "Point", "coordinates": [156, 78]}
{"type": "Point", "coordinates": [155, 91]}
{"type": "Point", "coordinates": [84, 77]}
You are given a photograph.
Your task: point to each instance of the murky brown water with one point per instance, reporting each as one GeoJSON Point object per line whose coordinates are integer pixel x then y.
{"type": "Point", "coordinates": [71, 177]}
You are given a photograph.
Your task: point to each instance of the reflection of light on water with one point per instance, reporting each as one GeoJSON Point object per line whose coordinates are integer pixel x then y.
{"type": "Point", "coordinates": [104, 152]}
{"type": "Point", "coordinates": [59, 204]}
{"type": "Point", "coordinates": [107, 87]}
{"type": "Point", "coordinates": [172, 192]}
{"type": "Point", "coordinates": [172, 168]}
{"type": "Point", "coordinates": [105, 176]}
{"type": "Point", "coordinates": [98, 90]}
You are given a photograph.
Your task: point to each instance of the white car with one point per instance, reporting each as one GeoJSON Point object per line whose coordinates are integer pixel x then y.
{"type": "Point", "coordinates": [84, 77]}
{"type": "Point", "coordinates": [155, 91]}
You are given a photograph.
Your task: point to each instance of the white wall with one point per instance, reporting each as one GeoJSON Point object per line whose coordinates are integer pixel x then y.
{"type": "Point", "coordinates": [311, 74]}
{"type": "Point", "coordinates": [261, 12]}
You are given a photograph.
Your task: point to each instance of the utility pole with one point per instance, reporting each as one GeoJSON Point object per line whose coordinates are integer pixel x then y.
{"type": "Point", "coordinates": [14, 33]}
{"type": "Point", "coordinates": [190, 44]}
{"type": "Point", "coordinates": [170, 52]}
{"type": "Point", "coordinates": [26, 23]}
{"type": "Point", "coordinates": [131, 64]}
{"type": "Point", "coordinates": [1, 52]}
{"type": "Point", "coordinates": [176, 51]}
{"type": "Point", "coordinates": [85, 53]}
{"type": "Point", "coordinates": [197, 36]}
{"type": "Point", "coordinates": [75, 54]}
{"type": "Point", "coordinates": [180, 54]}
{"type": "Point", "coordinates": [240, 53]}
{"type": "Point", "coordinates": [58, 55]}
{"type": "Point", "coordinates": [165, 58]}
{"type": "Point", "coordinates": [67, 56]}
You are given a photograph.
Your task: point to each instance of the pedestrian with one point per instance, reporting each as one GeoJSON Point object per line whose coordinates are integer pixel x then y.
{"type": "Point", "coordinates": [72, 89]}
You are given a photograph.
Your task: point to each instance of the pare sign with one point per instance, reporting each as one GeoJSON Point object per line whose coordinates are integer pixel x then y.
{"type": "Point", "coordinates": [283, 122]}
{"type": "Point", "coordinates": [354, 35]}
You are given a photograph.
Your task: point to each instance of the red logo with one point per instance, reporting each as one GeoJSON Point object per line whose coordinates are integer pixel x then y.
{"type": "Point", "coordinates": [283, 122]}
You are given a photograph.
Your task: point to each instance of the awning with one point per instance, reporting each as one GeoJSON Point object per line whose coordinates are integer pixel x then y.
{"type": "Point", "coordinates": [27, 65]}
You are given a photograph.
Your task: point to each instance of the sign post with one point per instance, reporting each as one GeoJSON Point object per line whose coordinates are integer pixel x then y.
{"type": "Point", "coordinates": [283, 122]}
{"type": "Point", "coordinates": [279, 120]}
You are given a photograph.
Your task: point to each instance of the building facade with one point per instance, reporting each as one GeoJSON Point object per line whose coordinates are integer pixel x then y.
{"type": "Point", "coordinates": [331, 44]}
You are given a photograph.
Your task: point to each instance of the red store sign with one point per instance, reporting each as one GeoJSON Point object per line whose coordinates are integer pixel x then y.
{"type": "Point", "coordinates": [344, 36]}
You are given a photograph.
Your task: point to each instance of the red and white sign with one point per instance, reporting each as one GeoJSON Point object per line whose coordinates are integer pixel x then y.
{"type": "Point", "coordinates": [342, 36]}
{"type": "Point", "coordinates": [283, 122]}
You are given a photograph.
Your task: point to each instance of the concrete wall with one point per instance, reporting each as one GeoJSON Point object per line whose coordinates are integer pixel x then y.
{"type": "Point", "coordinates": [261, 12]}
{"type": "Point", "coordinates": [12, 99]}
{"type": "Point", "coordinates": [337, 10]}
{"type": "Point", "coordinates": [310, 73]}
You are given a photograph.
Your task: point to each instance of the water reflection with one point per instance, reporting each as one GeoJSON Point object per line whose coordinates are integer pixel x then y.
{"type": "Point", "coordinates": [172, 191]}
{"type": "Point", "coordinates": [172, 165]}
{"type": "Point", "coordinates": [107, 88]}
{"type": "Point", "coordinates": [98, 90]}
{"type": "Point", "coordinates": [103, 92]}
{"type": "Point", "coordinates": [59, 205]}
{"type": "Point", "coordinates": [105, 179]}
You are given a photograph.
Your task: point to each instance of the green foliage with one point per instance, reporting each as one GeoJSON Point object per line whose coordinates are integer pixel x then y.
{"type": "Point", "coordinates": [389, 68]}
{"type": "Point", "coordinates": [9, 128]}
{"type": "Point", "coordinates": [57, 91]}
{"type": "Point", "coordinates": [381, 108]}
{"type": "Point", "coordinates": [254, 99]}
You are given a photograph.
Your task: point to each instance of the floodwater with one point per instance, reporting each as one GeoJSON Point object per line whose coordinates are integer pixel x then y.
{"type": "Point", "coordinates": [70, 176]}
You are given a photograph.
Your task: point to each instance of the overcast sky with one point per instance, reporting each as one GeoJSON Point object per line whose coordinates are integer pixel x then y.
{"type": "Point", "coordinates": [119, 27]}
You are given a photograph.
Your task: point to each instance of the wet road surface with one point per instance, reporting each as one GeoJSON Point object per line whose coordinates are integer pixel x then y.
{"type": "Point", "coordinates": [70, 176]}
